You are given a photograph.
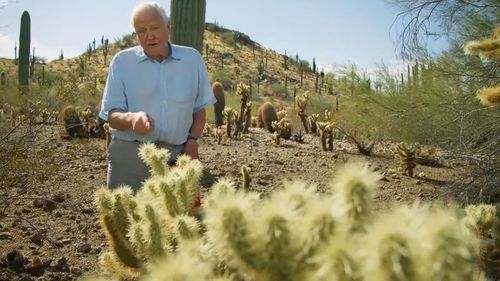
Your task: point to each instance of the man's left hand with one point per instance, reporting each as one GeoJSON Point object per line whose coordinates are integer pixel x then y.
{"type": "Point", "coordinates": [191, 148]}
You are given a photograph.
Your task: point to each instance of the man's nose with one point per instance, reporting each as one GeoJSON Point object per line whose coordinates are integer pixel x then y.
{"type": "Point", "coordinates": [149, 35]}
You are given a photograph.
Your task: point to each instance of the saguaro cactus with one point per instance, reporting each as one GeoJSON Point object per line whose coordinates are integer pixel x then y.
{"type": "Point", "coordinates": [24, 50]}
{"type": "Point", "coordinates": [187, 18]}
{"type": "Point", "coordinates": [3, 80]}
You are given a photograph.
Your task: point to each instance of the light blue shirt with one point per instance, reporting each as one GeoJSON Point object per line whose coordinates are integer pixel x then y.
{"type": "Point", "coordinates": [170, 91]}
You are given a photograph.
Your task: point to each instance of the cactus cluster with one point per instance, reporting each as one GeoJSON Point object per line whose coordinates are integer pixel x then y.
{"type": "Point", "coordinates": [295, 233]}
{"type": "Point", "coordinates": [484, 224]}
{"type": "Point", "coordinates": [244, 118]}
{"type": "Point", "coordinates": [301, 102]}
{"type": "Point", "coordinates": [311, 120]}
{"type": "Point", "coordinates": [245, 174]}
{"type": "Point", "coordinates": [282, 129]}
{"type": "Point", "coordinates": [156, 222]}
{"type": "Point", "coordinates": [326, 134]}
{"type": "Point", "coordinates": [84, 123]}
{"type": "Point", "coordinates": [231, 117]}
{"type": "Point", "coordinates": [407, 155]}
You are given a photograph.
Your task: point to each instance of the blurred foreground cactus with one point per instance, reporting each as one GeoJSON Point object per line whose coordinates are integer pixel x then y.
{"type": "Point", "coordinates": [295, 233]}
{"type": "Point", "coordinates": [487, 49]}
{"type": "Point", "coordinates": [484, 225]}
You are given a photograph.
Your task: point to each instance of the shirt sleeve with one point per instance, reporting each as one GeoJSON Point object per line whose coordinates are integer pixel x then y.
{"type": "Point", "coordinates": [204, 97]}
{"type": "Point", "coordinates": [114, 93]}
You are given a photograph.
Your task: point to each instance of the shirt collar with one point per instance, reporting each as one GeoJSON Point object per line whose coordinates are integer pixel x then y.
{"type": "Point", "coordinates": [173, 54]}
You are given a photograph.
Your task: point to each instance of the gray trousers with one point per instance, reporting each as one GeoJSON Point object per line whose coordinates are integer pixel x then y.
{"type": "Point", "coordinates": [125, 167]}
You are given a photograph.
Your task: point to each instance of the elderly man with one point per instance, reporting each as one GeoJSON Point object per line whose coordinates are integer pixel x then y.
{"type": "Point", "coordinates": [155, 92]}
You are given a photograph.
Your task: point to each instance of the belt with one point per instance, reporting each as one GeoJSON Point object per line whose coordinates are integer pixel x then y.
{"type": "Point", "coordinates": [162, 144]}
{"type": "Point", "coordinates": [158, 143]}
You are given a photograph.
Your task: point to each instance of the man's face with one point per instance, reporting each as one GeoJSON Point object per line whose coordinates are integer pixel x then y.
{"type": "Point", "coordinates": [152, 32]}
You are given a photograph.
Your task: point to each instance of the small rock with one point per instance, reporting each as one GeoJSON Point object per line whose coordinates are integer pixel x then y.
{"type": "Point", "coordinates": [26, 278]}
{"type": "Point", "coordinates": [96, 251]}
{"type": "Point", "coordinates": [37, 238]}
{"type": "Point", "coordinates": [58, 244]}
{"type": "Point", "coordinates": [15, 259]}
{"type": "Point", "coordinates": [36, 267]}
{"type": "Point", "coordinates": [5, 236]}
{"type": "Point", "coordinates": [61, 265]}
{"type": "Point", "coordinates": [87, 210]}
{"type": "Point", "coordinates": [91, 176]}
{"type": "Point", "coordinates": [76, 271]}
{"type": "Point", "coordinates": [59, 197]}
{"type": "Point", "coordinates": [262, 182]}
{"type": "Point", "coordinates": [418, 182]}
{"type": "Point", "coordinates": [66, 241]}
{"type": "Point", "coordinates": [84, 248]}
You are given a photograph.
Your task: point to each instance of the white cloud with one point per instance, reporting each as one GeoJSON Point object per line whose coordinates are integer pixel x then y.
{"type": "Point", "coordinates": [4, 3]}
{"type": "Point", "coordinates": [6, 46]}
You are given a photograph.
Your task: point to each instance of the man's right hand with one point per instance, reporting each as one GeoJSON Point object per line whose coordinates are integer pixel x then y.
{"type": "Point", "coordinates": [141, 122]}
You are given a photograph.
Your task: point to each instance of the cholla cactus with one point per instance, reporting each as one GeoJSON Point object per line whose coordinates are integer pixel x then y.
{"type": "Point", "coordinates": [293, 234]}
{"type": "Point", "coordinates": [281, 114]}
{"type": "Point", "coordinates": [44, 113]}
{"type": "Point", "coordinates": [353, 189]}
{"type": "Point", "coordinates": [151, 224]}
{"type": "Point", "coordinates": [328, 116]}
{"type": "Point", "coordinates": [407, 155]}
{"type": "Point", "coordinates": [105, 126]}
{"type": "Point", "coordinates": [283, 129]}
{"type": "Point", "coordinates": [254, 121]}
{"type": "Point", "coordinates": [230, 116]}
{"type": "Point", "coordinates": [259, 237]}
{"type": "Point", "coordinates": [248, 117]}
{"type": "Point", "coordinates": [312, 119]}
{"type": "Point", "coordinates": [417, 243]}
{"type": "Point", "coordinates": [301, 102]}
{"type": "Point", "coordinates": [245, 174]}
{"type": "Point", "coordinates": [326, 134]}
{"type": "Point", "coordinates": [218, 135]}
{"type": "Point", "coordinates": [483, 223]}
{"type": "Point", "coordinates": [244, 92]}
{"type": "Point", "coordinates": [487, 49]}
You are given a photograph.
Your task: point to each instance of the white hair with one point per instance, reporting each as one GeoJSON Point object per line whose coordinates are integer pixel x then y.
{"type": "Point", "coordinates": [148, 6]}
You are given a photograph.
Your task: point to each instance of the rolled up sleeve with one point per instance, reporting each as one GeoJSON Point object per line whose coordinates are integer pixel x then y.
{"type": "Point", "coordinates": [114, 93]}
{"type": "Point", "coordinates": [204, 97]}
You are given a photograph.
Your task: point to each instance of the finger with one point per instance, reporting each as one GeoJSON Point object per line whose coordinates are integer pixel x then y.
{"type": "Point", "coordinates": [152, 123]}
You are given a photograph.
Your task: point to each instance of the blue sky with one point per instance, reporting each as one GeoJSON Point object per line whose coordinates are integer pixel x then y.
{"type": "Point", "coordinates": [335, 32]}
